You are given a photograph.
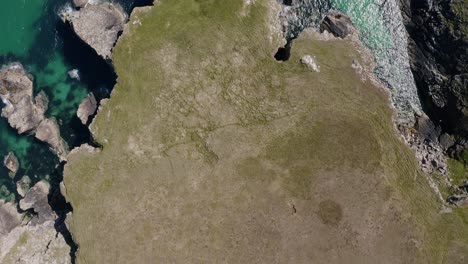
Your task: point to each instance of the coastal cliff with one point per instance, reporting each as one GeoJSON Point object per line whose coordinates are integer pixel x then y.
{"type": "Point", "coordinates": [212, 150]}
{"type": "Point", "coordinates": [438, 47]}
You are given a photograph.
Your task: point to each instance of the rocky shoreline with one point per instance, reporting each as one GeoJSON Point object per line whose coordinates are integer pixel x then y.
{"type": "Point", "coordinates": [432, 144]}
{"type": "Point", "coordinates": [26, 113]}
{"type": "Point", "coordinates": [438, 37]}
{"type": "Point", "coordinates": [32, 232]}
{"type": "Point", "coordinates": [29, 235]}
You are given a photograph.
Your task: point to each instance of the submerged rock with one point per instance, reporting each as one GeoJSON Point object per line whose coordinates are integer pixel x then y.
{"type": "Point", "coordinates": [22, 186]}
{"type": "Point", "coordinates": [98, 25]}
{"type": "Point", "coordinates": [337, 23]}
{"type": "Point", "coordinates": [87, 108]}
{"type": "Point", "coordinates": [11, 162]}
{"type": "Point", "coordinates": [26, 113]}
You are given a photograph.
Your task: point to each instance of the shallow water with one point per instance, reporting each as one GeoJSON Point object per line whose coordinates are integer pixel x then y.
{"type": "Point", "coordinates": [32, 33]}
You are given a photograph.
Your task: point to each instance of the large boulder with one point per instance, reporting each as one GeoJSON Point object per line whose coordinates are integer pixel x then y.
{"type": "Point", "coordinates": [98, 25]}
{"type": "Point", "coordinates": [26, 113]}
{"type": "Point", "coordinates": [337, 23]}
{"type": "Point", "coordinates": [87, 108]}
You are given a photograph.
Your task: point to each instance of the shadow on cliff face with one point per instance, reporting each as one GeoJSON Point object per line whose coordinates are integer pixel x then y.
{"type": "Point", "coordinates": [438, 41]}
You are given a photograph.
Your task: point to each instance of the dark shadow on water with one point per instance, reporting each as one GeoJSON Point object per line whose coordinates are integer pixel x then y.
{"type": "Point", "coordinates": [61, 207]}
{"type": "Point", "coordinates": [95, 72]}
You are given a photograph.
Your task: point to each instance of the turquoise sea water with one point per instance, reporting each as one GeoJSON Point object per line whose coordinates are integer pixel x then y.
{"type": "Point", "coordinates": [383, 32]}
{"type": "Point", "coordinates": [32, 33]}
{"type": "Point", "coordinates": [368, 17]}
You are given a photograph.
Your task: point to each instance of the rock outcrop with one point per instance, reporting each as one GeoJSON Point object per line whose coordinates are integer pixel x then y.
{"type": "Point", "coordinates": [48, 131]}
{"type": "Point", "coordinates": [26, 239]}
{"type": "Point", "coordinates": [80, 3]}
{"type": "Point", "coordinates": [310, 62]}
{"type": "Point", "coordinates": [11, 163]}
{"type": "Point", "coordinates": [9, 217]}
{"type": "Point", "coordinates": [36, 199]}
{"type": "Point", "coordinates": [98, 24]}
{"type": "Point", "coordinates": [438, 41]}
{"type": "Point", "coordinates": [337, 23]}
{"type": "Point", "coordinates": [87, 108]}
{"type": "Point", "coordinates": [26, 113]}
{"type": "Point", "coordinates": [16, 92]}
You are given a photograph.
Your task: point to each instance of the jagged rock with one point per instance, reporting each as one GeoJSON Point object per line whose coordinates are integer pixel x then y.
{"type": "Point", "coordinates": [41, 103]}
{"type": "Point", "coordinates": [36, 199]}
{"type": "Point", "coordinates": [9, 217]}
{"type": "Point", "coordinates": [11, 162]}
{"type": "Point", "coordinates": [98, 25]}
{"type": "Point", "coordinates": [25, 113]}
{"type": "Point", "coordinates": [22, 186]}
{"type": "Point", "coordinates": [87, 108]}
{"type": "Point", "coordinates": [48, 131]}
{"type": "Point", "coordinates": [438, 37]}
{"type": "Point", "coordinates": [309, 61]}
{"type": "Point", "coordinates": [337, 23]}
{"type": "Point", "coordinates": [459, 200]}
{"type": "Point", "coordinates": [16, 92]}
{"type": "Point", "coordinates": [80, 3]}
{"type": "Point", "coordinates": [429, 153]}
{"type": "Point", "coordinates": [446, 141]}
{"type": "Point", "coordinates": [427, 129]}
